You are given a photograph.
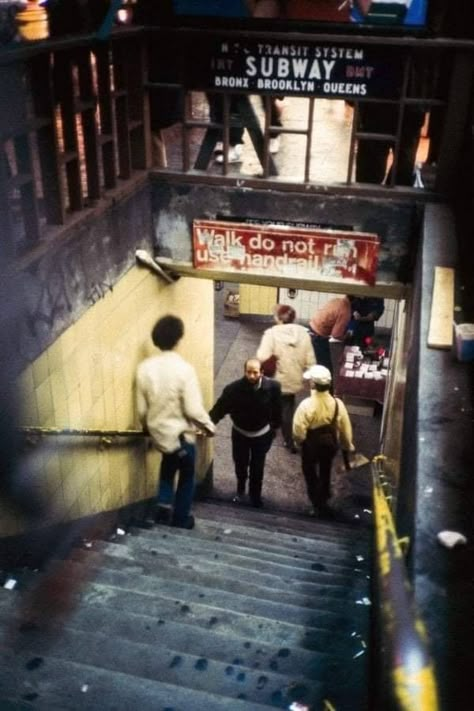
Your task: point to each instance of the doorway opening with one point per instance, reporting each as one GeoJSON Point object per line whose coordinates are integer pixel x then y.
{"type": "Point", "coordinates": [241, 316]}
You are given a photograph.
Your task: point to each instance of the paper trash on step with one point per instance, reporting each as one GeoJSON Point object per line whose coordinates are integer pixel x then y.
{"type": "Point", "coordinates": [449, 539]}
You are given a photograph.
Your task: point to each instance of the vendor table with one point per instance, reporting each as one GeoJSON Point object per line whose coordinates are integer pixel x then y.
{"type": "Point", "coordinates": [364, 381]}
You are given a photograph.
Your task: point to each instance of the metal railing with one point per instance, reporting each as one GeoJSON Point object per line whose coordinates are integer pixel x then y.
{"type": "Point", "coordinates": [80, 432]}
{"type": "Point", "coordinates": [432, 74]}
{"type": "Point", "coordinates": [403, 667]}
{"type": "Point", "coordinates": [78, 128]}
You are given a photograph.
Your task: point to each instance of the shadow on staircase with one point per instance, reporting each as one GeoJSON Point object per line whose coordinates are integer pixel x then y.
{"type": "Point", "coordinates": [250, 610]}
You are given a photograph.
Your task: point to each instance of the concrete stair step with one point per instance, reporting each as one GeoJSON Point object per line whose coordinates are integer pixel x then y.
{"type": "Point", "coordinates": [250, 610]}
{"type": "Point", "coordinates": [47, 683]}
{"type": "Point", "coordinates": [158, 663]}
{"type": "Point", "coordinates": [222, 573]}
{"type": "Point", "coordinates": [265, 546]}
{"type": "Point", "coordinates": [203, 613]}
{"type": "Point", "coordinates": [202, 616]}
{"type": "Point", "coordinates": [182, 637]}
{"type": "Point", "coordinates": [253, 550]}
{"type": "Point", "coordinates": [222, 593]}
{"type": "Point", "coordinates": [305, 529]}
{"type": "Point", "coordinates": [285, 523]}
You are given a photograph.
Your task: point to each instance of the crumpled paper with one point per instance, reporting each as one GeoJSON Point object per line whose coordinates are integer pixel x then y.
{"type": "Point", "coordinates": [449, 539]}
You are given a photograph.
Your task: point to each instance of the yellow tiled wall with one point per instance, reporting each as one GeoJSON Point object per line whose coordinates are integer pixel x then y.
{"type": "Point", "coordinates": [257, 299]}
{"type": "Point", "coordinates": [86, 380]}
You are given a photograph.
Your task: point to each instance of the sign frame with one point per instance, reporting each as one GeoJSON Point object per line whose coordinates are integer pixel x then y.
{"type": "Point", "coordinates": [337, 256]}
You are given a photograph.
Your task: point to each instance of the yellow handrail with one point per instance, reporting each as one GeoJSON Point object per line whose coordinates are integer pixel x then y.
{"type": "Point", "coordinates": [403, 634]}
{"type": "Point", "coordinates": [80, 432]}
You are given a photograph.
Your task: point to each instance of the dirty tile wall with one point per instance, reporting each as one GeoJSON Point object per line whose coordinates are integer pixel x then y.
{"type": "Point", "coordinates": [260, 300]}
{"type": "Point", "coordinates": [86, 380]}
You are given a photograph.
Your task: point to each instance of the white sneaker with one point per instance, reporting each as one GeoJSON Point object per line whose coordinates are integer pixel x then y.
{"type": "Point", "coordinates": [274, 144]}
{"type": "Point", "coordinates": [234, 155]}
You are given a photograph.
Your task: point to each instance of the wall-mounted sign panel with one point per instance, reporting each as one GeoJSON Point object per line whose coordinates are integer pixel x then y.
{"type": "Point", "coordinates": [286, 251]}
{"type": "Point", "coordinates": [294, 68]}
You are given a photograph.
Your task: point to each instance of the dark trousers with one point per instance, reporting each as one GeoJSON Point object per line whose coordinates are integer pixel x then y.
{"type": "Point", "coordinates": [249, 455]}
{"type": "Point", "coordinates": [287, 412]}
{"type": "Point", "coordinates": [216, 112]}
{"type": "Point", "coordinates": [181, 461]}
{"type": "Point", "coordinates": [316, 465]}
{"type": "Point", "coordinates": [322, 350]}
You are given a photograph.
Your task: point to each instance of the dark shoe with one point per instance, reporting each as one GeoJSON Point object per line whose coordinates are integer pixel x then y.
{"type": "Point", "coordinates": [163, 514]}
{"type": "Point", "coordinates": [189, 523]}
{"type": "Point", "coordinates": [257, 503]}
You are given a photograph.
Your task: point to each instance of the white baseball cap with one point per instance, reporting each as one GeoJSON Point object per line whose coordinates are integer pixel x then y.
{"type": "Point", "coordinates": [319, 374]}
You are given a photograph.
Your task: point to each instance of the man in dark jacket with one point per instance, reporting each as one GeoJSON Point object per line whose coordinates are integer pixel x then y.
{"type": "Point", "coordinates": [254, 405]}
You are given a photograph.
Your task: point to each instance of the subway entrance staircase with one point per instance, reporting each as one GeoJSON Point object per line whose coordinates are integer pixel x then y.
{"type": "Point", "coordinates": [250, 610]}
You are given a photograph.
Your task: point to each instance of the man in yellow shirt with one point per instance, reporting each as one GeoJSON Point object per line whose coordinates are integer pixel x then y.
{"type": "Point", "coordinates": [321, 424]}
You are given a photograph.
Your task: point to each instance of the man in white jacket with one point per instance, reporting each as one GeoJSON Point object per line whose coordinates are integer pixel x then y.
{"type": "Point", "coordinates": [291, 345]}
{"type": "Point", "coordinates": [170, 408]}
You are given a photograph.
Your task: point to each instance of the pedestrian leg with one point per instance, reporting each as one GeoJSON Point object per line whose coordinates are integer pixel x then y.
{"type": "Point", "coordinates": [259, 447]}
{"type": "Point", "coordinates": [309, 466]}
{"type": "Point", "coordinates": [169, 466]}
{"type": "Point", "coordinates": [241, 457]}
{"type": "Point", "coordinates": [287, 412]}
{"type": "Point", "coordinates": [326, 457]}
{"type": "Point", "coordinates": [185, 488]}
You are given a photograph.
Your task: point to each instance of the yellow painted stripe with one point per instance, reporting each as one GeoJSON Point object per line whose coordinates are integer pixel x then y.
{"type": "Point", "coordinates": [416, 691]}
{"type": "Point", "coordinates": [440, 334]}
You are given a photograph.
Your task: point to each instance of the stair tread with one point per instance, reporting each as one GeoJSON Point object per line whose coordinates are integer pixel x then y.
{"type": "Point", "coordinates": [158, 663]}
{"type": "Point", "coordinates": [204, 615]}
{"type": "Point", "coordinates": [264, 523]}
{"type": "Point", "coordinates": [227, 647]}
{"type": "Point", "coordinates": [231, 556]}
{"type": "Point", "coordinates": [266, 601]}
{"type": "Point", "coordinates": [58, 685]}
{"type": "Point", "coordinates": [246, 611]}
{"type": "Point", "coordinates": [219, 574]}
{"type": "Point", "coordinates": [284, 522]}
{"type": "Point", "coordinates": [343, 567]}
{"type": "Point", "coordinates": [253, 539]}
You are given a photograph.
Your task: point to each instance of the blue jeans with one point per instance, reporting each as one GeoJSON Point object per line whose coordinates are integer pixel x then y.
{"type": "Point", "coordinates": [181, 461]}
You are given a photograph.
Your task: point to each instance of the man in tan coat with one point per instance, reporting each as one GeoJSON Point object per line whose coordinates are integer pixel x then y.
{"type": "Point", "coordinates": [291, 345]}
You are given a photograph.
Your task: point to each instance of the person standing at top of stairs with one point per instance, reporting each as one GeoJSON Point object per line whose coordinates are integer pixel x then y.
{"type": "Point", "coordinates": [170, 408]}
{"type": "Point", "coordinates": [254, 405]}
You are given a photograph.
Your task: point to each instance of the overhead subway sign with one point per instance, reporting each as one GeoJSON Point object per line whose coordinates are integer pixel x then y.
{"type": "Point", "coordinates": [295, 68]}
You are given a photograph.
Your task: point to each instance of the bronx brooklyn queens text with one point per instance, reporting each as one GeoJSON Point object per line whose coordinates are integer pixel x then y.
{"type": "Point", "coordinates": [294, 68]}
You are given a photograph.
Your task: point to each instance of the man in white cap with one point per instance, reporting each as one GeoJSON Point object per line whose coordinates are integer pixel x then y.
{"type": "Point", "coordinates": [321, 424]}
